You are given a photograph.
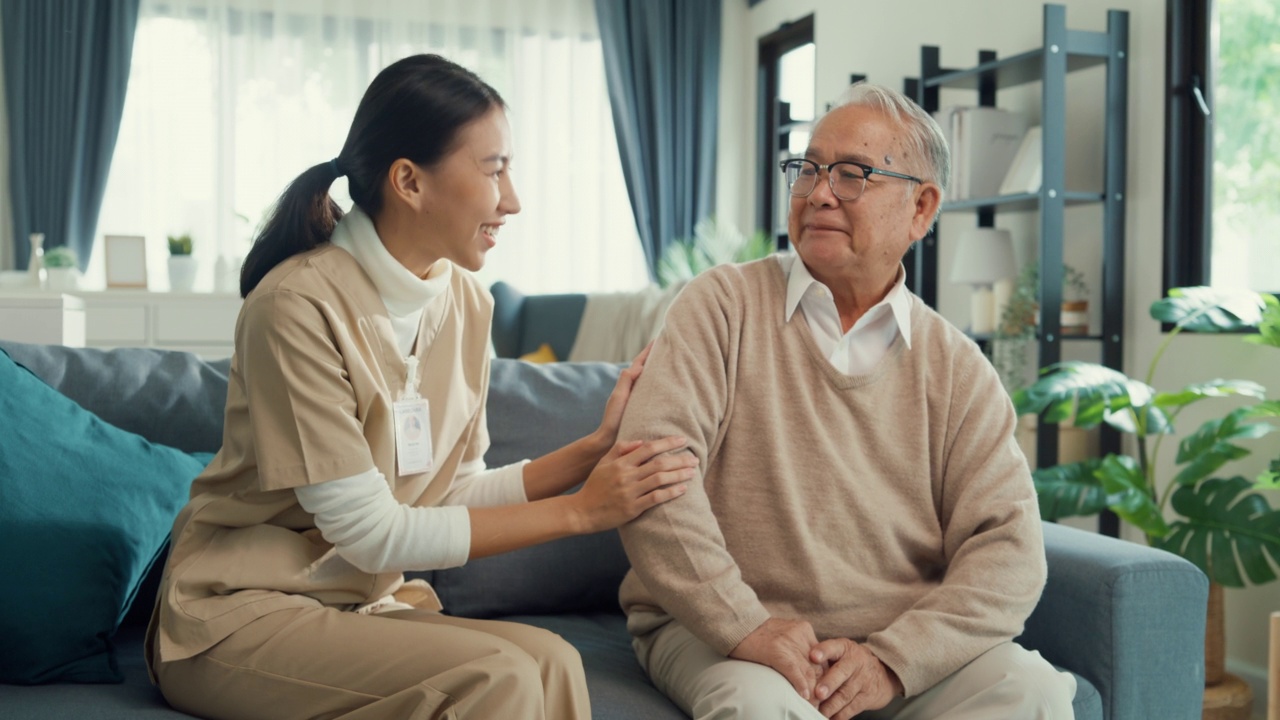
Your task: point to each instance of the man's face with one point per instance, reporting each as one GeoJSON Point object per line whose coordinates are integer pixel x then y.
{"type": "Point", "coordinates": [867, 236]}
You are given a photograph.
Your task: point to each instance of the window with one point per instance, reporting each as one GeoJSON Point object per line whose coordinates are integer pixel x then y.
{"type": "Point", "coordinates": [1222, 211]}
{"type": "Point", "coordinates": [229, 100]}
{"type": "Point", "coordinates": [786, 108]}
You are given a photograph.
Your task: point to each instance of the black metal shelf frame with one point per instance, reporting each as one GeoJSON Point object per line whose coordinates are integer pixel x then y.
{"type": "Point", "coordinates": [1064, 51]}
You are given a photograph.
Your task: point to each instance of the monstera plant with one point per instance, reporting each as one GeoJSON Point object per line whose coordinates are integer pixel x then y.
{"type": "Point", "coordinates": [1220, 522]}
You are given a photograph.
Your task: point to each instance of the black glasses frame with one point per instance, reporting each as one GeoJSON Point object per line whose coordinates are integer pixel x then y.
{"type": "Point", "coordinates": [867, 171]}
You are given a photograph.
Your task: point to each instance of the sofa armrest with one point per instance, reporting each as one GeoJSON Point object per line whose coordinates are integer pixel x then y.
{"type": "Point", "coordinates": [1127, 617]}
{"type": "Point", "coordinates": [522, 323]}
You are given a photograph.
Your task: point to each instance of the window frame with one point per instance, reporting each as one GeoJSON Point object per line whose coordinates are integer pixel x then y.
{"type": "Point", "coordinates": [771, 48]}
{"type": "Point", "coordinates": [1188, 169]}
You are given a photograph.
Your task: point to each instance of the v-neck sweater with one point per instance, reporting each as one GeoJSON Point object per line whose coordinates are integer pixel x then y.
{"type": "Point", "coordinates": [893, 508]}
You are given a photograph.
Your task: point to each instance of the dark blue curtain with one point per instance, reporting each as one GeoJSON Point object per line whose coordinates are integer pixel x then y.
{"type": "Point", "coordinates": [662, 63]}
{"type": "Point", "coordinates": [66, 67]}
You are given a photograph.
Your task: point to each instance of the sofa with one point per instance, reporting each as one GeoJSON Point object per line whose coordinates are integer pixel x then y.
{"type": "Point", "coordinates": [1126, 619]}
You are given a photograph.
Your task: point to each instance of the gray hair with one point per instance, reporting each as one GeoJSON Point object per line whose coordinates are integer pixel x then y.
{"type": "Point", "coordinates": [925, 139]}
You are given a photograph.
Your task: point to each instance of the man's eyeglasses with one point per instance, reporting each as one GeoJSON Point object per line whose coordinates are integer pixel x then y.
{"type": "Point", "coordinates": [847, 178]}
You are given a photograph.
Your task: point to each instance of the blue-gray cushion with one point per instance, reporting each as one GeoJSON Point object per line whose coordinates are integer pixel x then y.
{"type": "Point", "coordinates": [84, 511]}
{"type": "Point", "coordinates": [532, 410]}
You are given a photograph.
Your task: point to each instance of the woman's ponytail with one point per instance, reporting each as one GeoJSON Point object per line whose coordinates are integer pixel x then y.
{"type": "Point", "coordinates": [303, 218]}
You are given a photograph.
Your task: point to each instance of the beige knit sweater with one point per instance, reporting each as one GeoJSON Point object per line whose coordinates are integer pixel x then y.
{"type": "Point", "coordinates": [893, 508]}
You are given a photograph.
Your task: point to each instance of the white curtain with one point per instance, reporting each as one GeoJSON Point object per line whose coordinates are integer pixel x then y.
{"type": "Point", "coordinates": [229, 100]}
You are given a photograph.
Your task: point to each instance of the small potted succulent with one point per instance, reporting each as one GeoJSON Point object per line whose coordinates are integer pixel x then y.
{"type": "Point", "coordinates": [182, 265]}
{"type": "Point", "coordinates": [60, 265]}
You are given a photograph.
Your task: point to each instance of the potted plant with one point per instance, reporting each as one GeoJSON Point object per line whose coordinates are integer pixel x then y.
{"type": "Point", "coordinates": [182, 266]}
{"type": "Point", "coordinates": [712, 244]}
{"type": "Point", "coordinates": [60, 265]}
{"type": "Point", "coordinates": [1222, 524]}
{"type": "Point", "coordinates": [1016, 327]}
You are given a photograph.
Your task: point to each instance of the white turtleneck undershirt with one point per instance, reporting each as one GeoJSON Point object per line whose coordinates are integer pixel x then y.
{"type": "Point", "coordinates": [366, 524]}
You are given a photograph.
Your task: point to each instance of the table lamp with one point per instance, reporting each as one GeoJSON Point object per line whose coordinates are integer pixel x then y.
{"type": "Point", "coordinates": [983, 257]}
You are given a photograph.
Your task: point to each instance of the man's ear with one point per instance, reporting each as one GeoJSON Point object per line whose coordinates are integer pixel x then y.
{"type": "Point", "coordinates": [927, 199]}
{"type": "Point", "coordinates": [407, 182]}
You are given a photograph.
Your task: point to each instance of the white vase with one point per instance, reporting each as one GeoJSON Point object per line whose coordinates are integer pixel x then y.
{"type": "Point", "coordinates": [182, 273]}
{"type": "Point", "coordinates": [35, 261]}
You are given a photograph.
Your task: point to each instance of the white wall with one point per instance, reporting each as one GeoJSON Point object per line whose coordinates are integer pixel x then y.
{"type": "Point", "coordinates": [882, 40]}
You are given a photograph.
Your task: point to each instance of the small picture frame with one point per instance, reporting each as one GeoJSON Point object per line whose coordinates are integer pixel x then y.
{"type": "Point", "coordinates": [126, 259]}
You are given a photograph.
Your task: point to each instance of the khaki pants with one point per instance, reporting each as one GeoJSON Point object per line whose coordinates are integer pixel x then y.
{"type": "Point", "coordinates": [1005, 682]}
{"type": "Point", "coordinates": [322, 663]}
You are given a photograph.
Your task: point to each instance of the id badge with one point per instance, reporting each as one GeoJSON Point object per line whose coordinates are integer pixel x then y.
{"type": "Point", "coordinates": [413, 436]}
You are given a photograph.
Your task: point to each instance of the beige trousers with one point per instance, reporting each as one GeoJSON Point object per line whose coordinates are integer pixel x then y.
{"type": "Point", "coordinates": [409, 665]}
{"type": "Point", "coordinates": [1007, 681]}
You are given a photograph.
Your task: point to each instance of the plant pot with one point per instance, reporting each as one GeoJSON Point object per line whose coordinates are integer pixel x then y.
{"type": "Point", "coordinates": [1075, 317]}
{"type": "Point", "coordinates": [182, 273]}
{"type": "Point", "coordinates": [61, 279]}
{"type": "Point", "coordinates": [1226, 697]}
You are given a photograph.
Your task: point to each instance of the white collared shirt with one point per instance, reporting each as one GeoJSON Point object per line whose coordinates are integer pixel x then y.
{"type": "Point", "coordinates": [859, 350]}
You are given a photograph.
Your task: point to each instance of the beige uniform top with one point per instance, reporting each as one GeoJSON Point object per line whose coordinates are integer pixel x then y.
{"type": "Point", "coordinates": [310, 399]}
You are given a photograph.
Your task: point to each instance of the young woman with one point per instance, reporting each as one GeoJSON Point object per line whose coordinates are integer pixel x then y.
{"type": "Point", "coordinates": [354, 443]}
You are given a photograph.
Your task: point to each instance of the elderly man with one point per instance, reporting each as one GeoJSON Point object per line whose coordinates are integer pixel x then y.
{"type": "Point", "coordinates": [864, 535]}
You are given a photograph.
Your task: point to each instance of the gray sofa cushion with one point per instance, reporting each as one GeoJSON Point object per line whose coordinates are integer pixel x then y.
{"type": "Point", "coordinates": [534, 409]}
{"type": "Point", "coordinates": [170, 398]}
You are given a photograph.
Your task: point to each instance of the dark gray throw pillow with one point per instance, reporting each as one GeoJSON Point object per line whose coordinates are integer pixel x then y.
{"type": "Point", "coordinates": [532, 410]}
{"type": "Point", "coordinates": [168, 397]}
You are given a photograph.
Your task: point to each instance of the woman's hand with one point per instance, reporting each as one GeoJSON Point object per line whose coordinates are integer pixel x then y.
{"type": "Point", "coordinates": [607, 434]}
{"type": "Point", "coordinates": [631, 478]}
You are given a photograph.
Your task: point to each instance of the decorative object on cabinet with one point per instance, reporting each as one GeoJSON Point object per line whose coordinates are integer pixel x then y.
{"type": "Point", "coordinates": [1062, 52]}
{"type": "Point", "coordinates": [126, 260]}
{"type": "Point", "coordinates": [182, 264]}
{"type": "Point", "coordinates": [1223, 525]}
{"type": "Point", "coordinates": [60, 268]}
{"type": "Point", "coordinates": [35, 261]}
{"type": "Point", "coordinates": [983, 257]}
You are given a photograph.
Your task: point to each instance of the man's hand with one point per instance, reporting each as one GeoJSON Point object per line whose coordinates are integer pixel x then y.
{"type": "Point", "coordinates": [855, 681]}
{"type": "Point", "coordinates": [784, 645]}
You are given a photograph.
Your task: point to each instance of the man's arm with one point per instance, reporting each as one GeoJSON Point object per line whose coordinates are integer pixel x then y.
{"type": "Point", "coordinates": [677, 550]}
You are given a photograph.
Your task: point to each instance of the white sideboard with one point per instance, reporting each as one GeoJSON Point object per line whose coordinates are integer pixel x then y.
{"type": "Point", "coordinates": [46, 319]}
{"type": "Point", "coordinates": [202, 323]}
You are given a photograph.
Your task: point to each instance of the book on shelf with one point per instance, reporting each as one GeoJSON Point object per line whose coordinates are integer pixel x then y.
{"type": "Point", "coordinates": [1026, 171]}
{"type": "Point", "coordinates": [983, 142]}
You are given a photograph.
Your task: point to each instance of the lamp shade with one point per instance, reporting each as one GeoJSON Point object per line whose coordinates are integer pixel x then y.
{"type": "Point", "coordinates": [983, 256]}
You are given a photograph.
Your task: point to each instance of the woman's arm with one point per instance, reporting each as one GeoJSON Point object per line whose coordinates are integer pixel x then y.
{"type": "Point", "coordinates": [629, 479]}
{"type": "Point", "coordinates": [558, 471]}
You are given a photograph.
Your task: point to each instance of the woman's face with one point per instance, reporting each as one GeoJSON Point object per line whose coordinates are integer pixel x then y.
{"type": "Point", "coordinates": [469, 193]}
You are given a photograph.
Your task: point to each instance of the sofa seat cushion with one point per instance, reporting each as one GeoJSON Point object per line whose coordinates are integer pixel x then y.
{"type": "Point", "coordinates": [84, 511]}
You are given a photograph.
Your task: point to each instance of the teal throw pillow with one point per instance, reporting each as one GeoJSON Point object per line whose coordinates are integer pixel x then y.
{"type": "Point", "coordinates": [85, 509]}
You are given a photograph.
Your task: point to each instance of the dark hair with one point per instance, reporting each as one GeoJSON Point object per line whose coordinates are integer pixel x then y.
{"type": "Point", "coordinates": [413, 109]}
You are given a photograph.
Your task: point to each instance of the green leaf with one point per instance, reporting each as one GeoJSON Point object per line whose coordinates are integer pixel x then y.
{"type": "Point", "coordinates": [1069, 490]}
{"type": "Point", "coordinates": [1269, 328]}
{"type": "Point", "coordinates": [1207, 309]}
{"type": "Point", "coordinates": [1269, 480]}
{"type": "Point", "coordinates": [1228, 534]}
{"type": "Point", "coordinates": [1128, 496]}
{"type": "Point", "coordinates": [1088, 389]}
{"type": "Point", "coordinates": [1210, 447]}
{"type": "Point", "coordinates": [1211, 389]}
{"type": "Point", "coordinates": [1270, 408]}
